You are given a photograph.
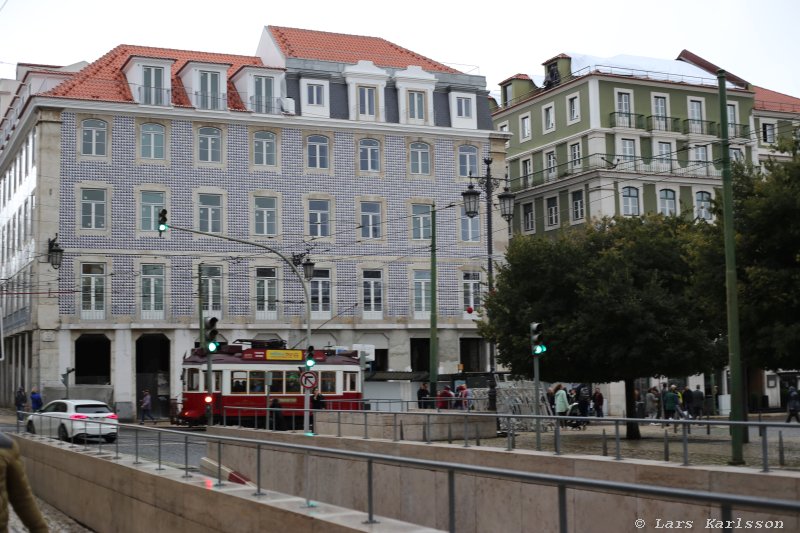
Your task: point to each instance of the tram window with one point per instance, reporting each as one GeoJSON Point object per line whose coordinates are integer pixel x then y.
{"type": "Point", "coordinates": [292, 382]}
{"type": "Point", "coordinates": [328, 382]}
{"type": "Point", "coordinates": [239, 382]}
{"type": "Point", "coordinates": [277, 382]}
{"type": "Point", "coordinates": [217, 377]}
{"type": "Point", "coordinates": [351, 381]}
{"type": "Point", "coordinates": [192, 379]}
{"type": "Point", "coordinates": [257, 382]}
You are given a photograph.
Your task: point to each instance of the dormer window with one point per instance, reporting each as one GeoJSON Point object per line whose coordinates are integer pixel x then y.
{"type": "Point", "coordinates": [316, 94]}
{"type": "Point", "coordinates": [366, 103]}
{"type": "Point", "coordinates": [150, 79]}
{"type": "Point", "coordinates": [365, 88]}
{"type": "Point", "coordinates": [209, 96]}
{"type": "Point", "coordinates": [260, 90]}
{"type": "Point", "coordinates": [152, 90]}
{"type": "Point", "coordinates": [205, 84]}
{"type": "Point", "coordinates": [462, 106]}
{"type": "Point", "coordinates": [415, 95]}
{"type": "Point", "coordinates": [263, 100]}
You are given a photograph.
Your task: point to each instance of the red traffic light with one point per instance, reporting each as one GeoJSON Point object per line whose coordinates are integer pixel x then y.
{"type": "Point", "coordinates": [208, 399]}
{"type": "Point", "coordinates": [470, 310]}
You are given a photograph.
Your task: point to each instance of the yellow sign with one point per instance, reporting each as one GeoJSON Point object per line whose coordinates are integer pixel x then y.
{"type": "Point", "coordinates": [284, 355]}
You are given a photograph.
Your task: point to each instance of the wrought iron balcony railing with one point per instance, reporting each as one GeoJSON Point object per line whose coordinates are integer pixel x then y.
{"type": "Point", "coordinates": [662, 123]}
{"type": "Point", "coordinates": [268, 106]}
{"type": "Point", "coordinates": [213, 101]}
{"type": "Point", "coordinates": [702, 127]}
{"type": "Point", "coordinates": [155, 96]}
{"type": "Point", "coordinates": [627, 120]}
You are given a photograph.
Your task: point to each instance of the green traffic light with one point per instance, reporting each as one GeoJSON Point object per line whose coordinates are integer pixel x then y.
{"type": "Point", "coordinates": [212, 346]}
{"type": "Point", "coordinates": [310, 362]}
{"type": "Point", "coordinates": [163, 227]}
{"type": "Point", "coordinates": [539, 349]}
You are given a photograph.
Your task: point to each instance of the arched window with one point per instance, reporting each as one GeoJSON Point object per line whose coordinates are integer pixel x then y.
{"type": "Point", "coordinates": [420, 158]}
{"type": "Point", "coordinates": [210, 149]}
{"type": "Point", "coordinates": [630, 201]}
{"type": "Point", "coordinates": [369, 150]}
{"type": "Point", "coordinates": [94, 137]}
{"type": "Point", "coordinates": [317, 151]}
{"type": "Point", "coordinates": [264, 148]}
{"type": "Point", "coordinates": [467, 161]}
{"type": "Point", "coordinates": [152, 141]}
{"type": "Point", "coordinates": [666, 202]}
{"type": "Point", "coordinates": [703, 204]}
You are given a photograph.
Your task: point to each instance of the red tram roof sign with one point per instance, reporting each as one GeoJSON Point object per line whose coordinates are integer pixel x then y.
{"type": "Point", "coordinates": [273, 355]}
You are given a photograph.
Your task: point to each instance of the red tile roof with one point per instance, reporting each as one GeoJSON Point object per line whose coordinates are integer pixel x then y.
{"type": "Point", "coordinates": [104, 79]}
{"type": "Point", "coordinates": [766, 100]}
{"type": "Point", "coordinates": [339, 47]}
{"type": "Point", "coordinates": [516, 77]}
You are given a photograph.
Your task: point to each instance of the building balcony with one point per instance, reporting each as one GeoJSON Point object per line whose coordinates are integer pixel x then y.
{"type": "Point", "coordinates": [615, 163]}
{"type": "Point", "coordinates": [738, 131]}
{"type": "Point", "coordinates": [211, 101]}
{"type": "Point", "coordinates": [699, 127]}
{"type": "Point", "coordinates": [662, 123]}
{"type": "Point", "coordinates": [626, 120]}
{"type": "Point", "coordinates": [155, 96]}
{"type": "Point", "coordinates": [266, 106]}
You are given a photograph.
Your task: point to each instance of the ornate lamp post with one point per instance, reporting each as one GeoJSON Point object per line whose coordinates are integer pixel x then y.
{"type": "Point", "coordinates": [471, 200]}
{"type": "Point", "coordinates": [54, 252]}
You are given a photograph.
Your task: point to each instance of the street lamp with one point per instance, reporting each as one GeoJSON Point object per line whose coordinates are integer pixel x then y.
{"type": "Point", "coordinates": [54, 252]}
{"type": "Point", "coordinates": [471, 198]}
{"type": "Point", "coordinates": [308, 272]}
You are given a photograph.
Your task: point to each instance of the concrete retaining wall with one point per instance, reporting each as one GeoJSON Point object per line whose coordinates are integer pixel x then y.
{"type": "Point", "coordinates": [414, 426]}
{"type": "Point", "coordinates": [488, 504]}
{"type": "Point", "coordinates": [119, 496]}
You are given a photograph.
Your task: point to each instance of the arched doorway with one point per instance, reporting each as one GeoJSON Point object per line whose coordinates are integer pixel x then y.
{"type": "Point", "coordinates": [92, 359]}
{"type": "Point", "coordinates": [153, 370]}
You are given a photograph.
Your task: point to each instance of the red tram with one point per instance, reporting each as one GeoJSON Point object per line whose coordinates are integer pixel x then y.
{"type": "Point", "coordinates": [250, 374]}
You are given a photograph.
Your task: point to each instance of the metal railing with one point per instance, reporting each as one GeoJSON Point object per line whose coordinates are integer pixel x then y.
{"type": "Point", "coordinates": [155, 96]}
{"type": "Point", "coordinates": [701, 127]}
{"type": "Point", "coordinates": [211, 101]}
{"type": "Point", "coordinates": [724, 501]}
{"type": "Point", "coordinates": [626, 120]}
{"type": "Point", "coordinates": [269, 106]}
{"type": "Point", "coordinates": [663, 123]}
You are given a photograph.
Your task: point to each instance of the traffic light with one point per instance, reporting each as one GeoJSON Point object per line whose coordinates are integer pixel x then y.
{"type": "Point", "coordinates": [211, 343]}
{"type": "Point", "coordinates": [162, 222]}
{"type": "Point", "coordinates": [310, 362]}
{"type": "Point", "coordinates": [538, 346]}
{"type": "Point", "coordinates": [208, 399]}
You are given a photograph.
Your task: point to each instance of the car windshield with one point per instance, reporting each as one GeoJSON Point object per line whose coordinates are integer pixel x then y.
{"type": "Point", "coordinates": [99, 408]}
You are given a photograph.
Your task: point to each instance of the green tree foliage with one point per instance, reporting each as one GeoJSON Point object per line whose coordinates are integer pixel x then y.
{"type": "Point", "coordinates": [617, 303]}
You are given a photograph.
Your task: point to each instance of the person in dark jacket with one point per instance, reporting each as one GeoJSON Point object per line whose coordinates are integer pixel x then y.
{"type": "Point", "coordinates": [793, 404]}
{"type": "Point", "coordinates": [15, 489]}
{"type": "Point", "coordinates": [422, 396]}
{"type": "Point", "coordinates": [698, 402]}
{"type": "Point", "coordinates": [19, 402]}
{"type": "Point", "coordinates": [597, 398]}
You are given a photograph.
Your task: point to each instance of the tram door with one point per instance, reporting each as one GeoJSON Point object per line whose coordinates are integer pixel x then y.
{"type": "Point", "coordinates": [152, 372]}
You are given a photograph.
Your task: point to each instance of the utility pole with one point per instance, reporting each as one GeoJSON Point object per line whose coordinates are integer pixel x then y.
{"type": "Point", "coordinates": [433, 361]}
{"type": "Point", "coordinates": [734, 349]}
{"type": "Point", "coordinates": [209, 355]}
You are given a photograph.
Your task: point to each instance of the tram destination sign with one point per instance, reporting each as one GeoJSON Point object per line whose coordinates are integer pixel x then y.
{"type": "Point", "coordinates": [274, 355]}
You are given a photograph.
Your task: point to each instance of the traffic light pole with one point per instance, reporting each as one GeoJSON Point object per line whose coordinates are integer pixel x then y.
{"type": "Point", "coordinates": [209, 355]}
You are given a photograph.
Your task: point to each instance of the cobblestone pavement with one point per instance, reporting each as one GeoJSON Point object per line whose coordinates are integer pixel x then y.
{"type": "Point", "coordinates": [57, 521]}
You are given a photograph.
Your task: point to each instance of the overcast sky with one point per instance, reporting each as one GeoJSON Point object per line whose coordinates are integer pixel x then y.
{"type": "Point", "coordinates": [756, 40]}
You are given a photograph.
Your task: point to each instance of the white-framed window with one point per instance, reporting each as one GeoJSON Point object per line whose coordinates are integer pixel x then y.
{"type": "Point", "coordinates": [372, 294]}
{"type": "Point", "coordinates": [471, 289]}
{"type": "Point", "coordinates": [416, 105]}
{"type": "Point", "coordinates": [420, 158]}
{"type": "Point", "coordinates": [420, 221]}
{"type": "Point", "coordinates": [320, 287]}
{"type": "Point", "coordinates": [210, 212]}
{"type": "Point", "coordinates": [209, 96]}
{"type": "Point", "coordinates": [153, 92]}
{"type": "Point", "coordinates": [152, 299]}
{"type": "Point", "coordinates": [703, 204]}
{"type": "Point", "coordinates": [700, 159]}
{"type": "Point", "coordinates": [266, 293]}
{"type": "Point", "coordinates": [210, 145]}
{"type": "Point", "coordinates": [265, 210]}
{"type": "Point", "coordinates": [504, 128]}
{"type": "Point", "coordinates": [630, 202]}
{"type": "Point", "coordinates": [422, 294]}
{"type": "Point", "coordinates": [526, 172]}
{"type": "Point", "coordinates": [553, 218]}
{"type": "Point", "coordinates": [696, 116]}
{"type": "Point", "coordinates": [319, 217]}
{"type": "Point", "coordinates": [548, 118]}
{"type": "Point", "coordinates": [525, 127]}
{"type": "Point", "coordinates": [624, 109]}
{"type": "Point", "coordinates": [211, 288]}
{"type": "Point", "coordinates": [628, 151]}
{"type": "Point", "coordinates": [463, 107]}
{"type": "Point", "coordinates": [573, 108]}
{"type": "Point", "coordinates": [663, 158]}
{"type": "Point", "coordinates": [93, 209]}
{"type": "Point", "coordinates": [369, 155]}
{"type": "Point", "coordinates": [152, 141]}
{"type": "Point", "coordinates": [263, 99]}
{"type": "Point", "coordinates": [94, 133]}
{"type": "Point", "coordinates": [315, 94]}
{"type": "Point", "coordinates": [667, 204]}
{"type": "Point", "coordinates": [366, 102]}
{"type": "Point", "coordinates": [151, 204]}
{"type": "Point", "coordinates": [576, 200]}
{"type": "Point", "coordinates": [470, 227]}
{"type": "Point", "coordinates": [528, 220]}
{"type": "Point", "coordinates": [467, 161]}
{"type": "Point", "coordinates": [317, 151]}
{"type": "Point", "coordinates": [732, 130]}
{"type": "Point", "coordinates": [370, 220]}
{"type": "Point", "coordinates": [550, 165]}
{"type": "Point", "coordinates": [736, 154]}
{"type": "Point", "coordinates": [264, 148]}
{"type": "Point", "coordinates": [575, 156]}
{"type": "Point", "coordinates": [93, 291]}
{"type": "Point", "coordinates": [768, 133]}
{"type": "Point", "coordinates": [660, 113]}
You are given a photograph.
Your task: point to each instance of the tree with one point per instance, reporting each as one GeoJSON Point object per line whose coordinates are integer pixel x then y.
{"type": "Point", "coordinates": [616, 301]}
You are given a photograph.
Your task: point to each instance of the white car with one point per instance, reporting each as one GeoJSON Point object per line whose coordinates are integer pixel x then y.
{"type": "Point", "coordinates": [68, 419]}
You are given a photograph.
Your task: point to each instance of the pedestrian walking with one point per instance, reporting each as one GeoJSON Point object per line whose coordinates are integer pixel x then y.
{"type": "Point", "coordinates": [444, 400]}
{"type": "Point", "coordinates": [36, 399]}
{"type": "Point", "coordinates": [651, 403]}
{"type": "Point", "coordinates": [793, 404]}
{"type": "Point", "coordinates": [465, 397]}
{"type": "Point", "coordinates": [562, 403]}
{"type": "Point", "coordinates": [597, 398]}
{"type": "Point", "coordinates": [698, 402]}
{"type": "Point", "coordinates": [671, 403]}
{"type": "Point", "coordinates": [688, 402]}
{"type": "Point", "coordinates": [15, 489]}
{"type": "Point", "coordinates": [19, 402]}
{"type": "Point", "coordinates": [422, 396]}
{"type": "Point", "coordinates": [146, 405]}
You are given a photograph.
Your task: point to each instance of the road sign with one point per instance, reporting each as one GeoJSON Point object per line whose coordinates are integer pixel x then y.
{"type": "Point", "coordinates": [308, 380]}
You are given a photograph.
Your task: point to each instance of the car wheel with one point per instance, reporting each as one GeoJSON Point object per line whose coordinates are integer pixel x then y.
{"type": "Point", "coordinates": [30, 428]}
{"type": "Point", "coordinates": [110, 438]}
{"type": "Point", "coordinates": [62, 433]}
